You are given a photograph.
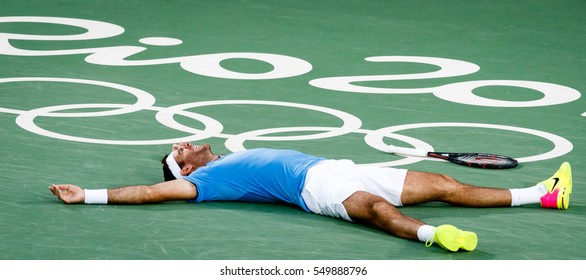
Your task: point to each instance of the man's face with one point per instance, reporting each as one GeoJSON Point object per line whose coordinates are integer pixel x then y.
{"type": "Point", "coordinates": [186, 154]}
{"type": "Point", "coordinates": [182, 145]}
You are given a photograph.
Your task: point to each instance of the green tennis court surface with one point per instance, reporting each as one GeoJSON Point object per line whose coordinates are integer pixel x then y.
{"type": "Point", "coordinates": [93, 92]}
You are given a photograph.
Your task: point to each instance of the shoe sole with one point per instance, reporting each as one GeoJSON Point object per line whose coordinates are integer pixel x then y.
{"type": "Point", "coordinates": [470, 241]}
{"type": "Point", "coordinates": [563, 192]}
{"type": "Point", "coordinates": [564, 202]}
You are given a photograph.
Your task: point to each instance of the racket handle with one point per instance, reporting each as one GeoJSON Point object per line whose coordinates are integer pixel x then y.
{"type": "Point", "coordinates": [407, 151]}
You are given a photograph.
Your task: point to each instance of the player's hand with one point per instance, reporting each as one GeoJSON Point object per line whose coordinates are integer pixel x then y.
{"type": "Point", "coordinates": [68, 193]}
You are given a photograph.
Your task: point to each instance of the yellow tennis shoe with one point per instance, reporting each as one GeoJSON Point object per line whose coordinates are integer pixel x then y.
{"type": "Point", "coordinates": [559, 188]}
{"type": "Point", "coordinates": [452, 239]}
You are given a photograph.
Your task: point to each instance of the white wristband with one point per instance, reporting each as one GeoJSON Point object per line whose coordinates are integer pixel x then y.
{"type": "Point", "coordinates": [96, 196]}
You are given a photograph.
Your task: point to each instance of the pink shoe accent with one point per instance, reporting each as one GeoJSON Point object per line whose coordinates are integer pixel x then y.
{"type": "Point", "coordinates": [550, 200]}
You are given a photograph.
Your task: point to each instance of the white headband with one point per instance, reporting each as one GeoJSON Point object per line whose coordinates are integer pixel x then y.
{"type": "Point", "coordinates": [173, 166]}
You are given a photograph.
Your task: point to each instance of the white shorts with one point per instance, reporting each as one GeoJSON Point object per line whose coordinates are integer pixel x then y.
{"type": "Point", "coordinates": [330, 182]}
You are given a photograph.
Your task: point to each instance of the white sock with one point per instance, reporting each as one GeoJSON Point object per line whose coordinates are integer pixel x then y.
{"type": "Point", "coordinates": [527, 195]}
{"type": "Point", "coordinates": [425, 232]}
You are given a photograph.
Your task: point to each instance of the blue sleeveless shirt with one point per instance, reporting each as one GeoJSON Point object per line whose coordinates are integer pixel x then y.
{"type": "Point", "coordinates": [257, 175]}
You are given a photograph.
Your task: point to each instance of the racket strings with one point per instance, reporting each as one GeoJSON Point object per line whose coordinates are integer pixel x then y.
{"type": "Point", "coordinates": [486, 159]}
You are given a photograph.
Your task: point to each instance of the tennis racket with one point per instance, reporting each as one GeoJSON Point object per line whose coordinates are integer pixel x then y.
{"type": "Point", "coordinates": [479, 160]}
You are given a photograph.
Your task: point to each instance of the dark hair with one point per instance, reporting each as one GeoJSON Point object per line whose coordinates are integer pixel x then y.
{"type": "Point", "coordinates": [167, 174]}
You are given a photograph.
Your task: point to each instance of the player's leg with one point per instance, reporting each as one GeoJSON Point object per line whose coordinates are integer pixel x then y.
{"type": "Point", "coordinates": [420, 187]}
{"type": "Point", "coordinates": [371, 209]}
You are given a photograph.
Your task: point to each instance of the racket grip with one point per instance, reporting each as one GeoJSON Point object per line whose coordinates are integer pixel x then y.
{"type": "Point", "coordinates": [406, 151]}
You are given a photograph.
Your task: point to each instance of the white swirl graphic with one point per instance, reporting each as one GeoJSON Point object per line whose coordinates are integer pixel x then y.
{"type": "Point", "coordinates": [235, 142]}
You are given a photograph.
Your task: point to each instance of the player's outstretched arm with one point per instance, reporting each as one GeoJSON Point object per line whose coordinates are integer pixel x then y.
{"type": "Point", "coordinates": [171, 190]}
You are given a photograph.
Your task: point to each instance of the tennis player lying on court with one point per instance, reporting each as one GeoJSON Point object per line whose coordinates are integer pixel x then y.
{"type": "Point", "coordinates": [336, 188]}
